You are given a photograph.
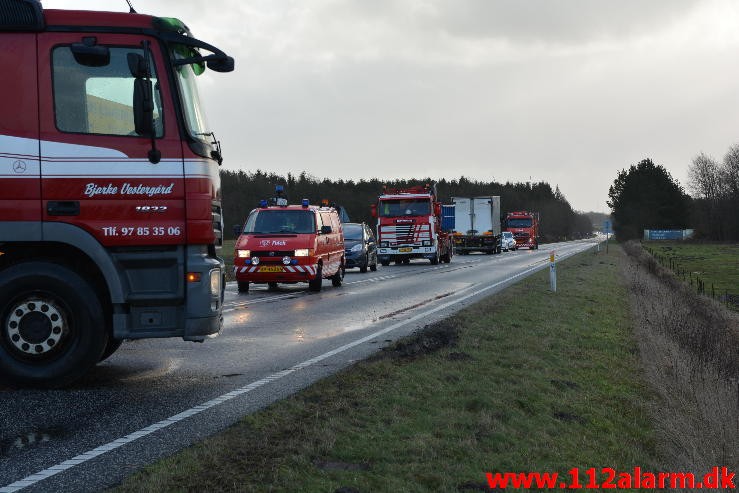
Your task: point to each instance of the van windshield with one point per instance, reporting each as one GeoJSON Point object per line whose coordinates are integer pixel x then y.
{"type": "Point", "coordinates": [280, 221]}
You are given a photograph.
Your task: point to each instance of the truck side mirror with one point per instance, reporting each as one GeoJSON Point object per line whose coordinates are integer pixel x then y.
{"type": "Point", "coordinates": [373, 210]}
{"type": "Point", "coordinates": [437, 209]}
{"type": "Point", "coordinates": [143, 107]}
{"type": "Point", "coordinates": [326, 230]}
{"type": "Point", "coordinates": [237, 230]}
{"type": "Point", "coordinates": [143, 99]}
{"type": "Point", "coordinates": [137, 66]}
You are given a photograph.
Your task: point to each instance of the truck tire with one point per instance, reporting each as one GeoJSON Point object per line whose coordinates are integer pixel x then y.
{"type": "Point", "coordinates": [385, 263]}
{"type": "Point", "coordinates": [272, 286]}
{"type": "Point", "coordinates": [52, 328]}
{"type": "Point", "coordinates": [112, 347]}
{"type": "Point", "coordinates": [243, 286]}
{"type": "Point", "coordinates": [316, 284]}
{"type": "Point", "coordinates": [435, 260]}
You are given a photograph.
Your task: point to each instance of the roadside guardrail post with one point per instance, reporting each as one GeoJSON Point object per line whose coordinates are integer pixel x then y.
{"type": "Point", "coordinates": [552, 273]}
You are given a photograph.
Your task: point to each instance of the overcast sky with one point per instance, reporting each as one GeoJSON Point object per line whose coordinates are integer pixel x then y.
{"type": "Point", "coordinates": [564, 91]}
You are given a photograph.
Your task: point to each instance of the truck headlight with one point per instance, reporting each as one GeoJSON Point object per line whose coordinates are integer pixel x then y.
{"type": "Point", "coordinates": [215, 282]}
{"type": "Point", "coordinates": [303, 252]}
{"type": "Point", "coordinates": [243, 253]}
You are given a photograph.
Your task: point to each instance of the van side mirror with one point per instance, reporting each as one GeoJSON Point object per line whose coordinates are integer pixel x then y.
{"type": "Point", "coordinates": [237, 230]}
{"type": "Point", "coordinates": [326, 230]}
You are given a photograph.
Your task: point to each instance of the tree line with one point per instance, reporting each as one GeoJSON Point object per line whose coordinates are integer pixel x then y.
{"type": "Point", "coordinates": [646, 196]}
{"type": "Point", "coordinates": [715, 188]}
{"type": "Point", "coordinates": [243, 190]}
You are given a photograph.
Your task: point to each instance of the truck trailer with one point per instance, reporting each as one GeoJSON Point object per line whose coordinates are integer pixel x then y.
{"type": "Point", "coordinates": [477, 224]}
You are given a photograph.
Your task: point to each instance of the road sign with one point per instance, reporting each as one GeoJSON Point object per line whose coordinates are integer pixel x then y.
{"type": "Point", "coordinates": [607, 228]}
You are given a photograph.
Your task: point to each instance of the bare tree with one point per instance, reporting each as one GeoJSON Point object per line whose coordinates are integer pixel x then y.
{"type": "Point", "coordinates": [704, 177]}
{"type": "Point", "coordinates": [730, 172]}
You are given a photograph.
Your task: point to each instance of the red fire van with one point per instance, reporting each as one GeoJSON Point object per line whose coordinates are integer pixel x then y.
{"type": "Point", "coordinates": [283, 243]}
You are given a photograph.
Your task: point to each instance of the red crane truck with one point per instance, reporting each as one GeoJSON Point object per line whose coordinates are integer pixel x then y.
{"type": "Point", "coordinates": [110, 200]}
{"type": "Point", "coordinates": [525, 228]}
{"type": "Point", "coordinates": [409, 226]}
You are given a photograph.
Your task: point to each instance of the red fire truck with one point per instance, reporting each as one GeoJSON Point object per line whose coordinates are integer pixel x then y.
{"type": "Point", "coordinates": [525, 228]}
{"type": "Point", "coordinates": [110, 200]}
{"type": "Point", "coordinates": [409, 226]}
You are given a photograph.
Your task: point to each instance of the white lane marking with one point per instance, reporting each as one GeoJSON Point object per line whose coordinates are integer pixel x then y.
{"type": "Point", "coordinates": [82, 458]}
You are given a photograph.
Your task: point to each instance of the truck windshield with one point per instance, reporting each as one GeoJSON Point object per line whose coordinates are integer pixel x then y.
{"type": "Point", "coordinates": [280, 221]}
{"type": "Point", "coordinates": [191, 107]}
{"type": "Point", "coordinates": [404, 207]}
{"type": "Point", "coordinates": [519, 223]}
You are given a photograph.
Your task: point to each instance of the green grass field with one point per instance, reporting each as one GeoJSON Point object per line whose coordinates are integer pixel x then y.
{"type": "Point", "coordinates": [716, 264]}
{"type": "Point", "coordinates": [527, 380]}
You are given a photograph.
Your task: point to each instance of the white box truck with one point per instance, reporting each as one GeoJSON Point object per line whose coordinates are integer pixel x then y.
{"type": "Point", "coordinates": [477, 224]}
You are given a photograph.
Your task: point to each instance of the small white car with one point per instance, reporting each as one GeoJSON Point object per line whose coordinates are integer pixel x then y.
{"type": "Point", "coordinates": [508, 242]}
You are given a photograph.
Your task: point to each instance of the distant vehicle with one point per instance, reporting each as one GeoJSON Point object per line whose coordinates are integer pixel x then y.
{"type": "Point", "coordinates": [507, 241]}
{"type": "Point", "coordinates": [477, 224]}
{"type": "Point", "coordinates": [360, 247]}
{"type": "Point", "coordinates": [525, 228]}
{"type": "Point", "coordinates": [283, 243]}
{"type": "Point", "coordinates": [409, 226]}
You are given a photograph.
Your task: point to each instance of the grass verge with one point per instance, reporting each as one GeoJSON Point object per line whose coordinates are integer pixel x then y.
{"type": "Point", "coordinates": [527, 380]}
{"type": "Point", "coordinates": [690, 351]}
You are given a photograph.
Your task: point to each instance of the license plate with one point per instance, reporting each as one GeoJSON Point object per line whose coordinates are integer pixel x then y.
{"type": "Point", "coordinates": [405, 249]}
{"type": "Point", "coordinates": [271, 268]}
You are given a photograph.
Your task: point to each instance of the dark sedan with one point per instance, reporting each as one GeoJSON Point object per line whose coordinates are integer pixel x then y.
{"type": "Point", "coordinates": [360, 246]}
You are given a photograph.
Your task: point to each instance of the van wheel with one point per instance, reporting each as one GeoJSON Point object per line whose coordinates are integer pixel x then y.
{"type": "Point", "coordinates": [52, 328]}
{"type": "Point", "coordinates": [338, 278]}
{"type": "Point", "coordinates": [316, 284]}
{"type": "Point", "coordinates": [243, 286]}
{"type": "Point", "coordinates": [363, 268]}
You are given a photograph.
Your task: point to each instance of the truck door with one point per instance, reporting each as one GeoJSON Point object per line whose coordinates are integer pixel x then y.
{"type": "Point", "coordinates": [483, 214]}
{"type": "Point", "coordinates": [96, 170]}
{"type": "Point", "coordinates": [20, 190]}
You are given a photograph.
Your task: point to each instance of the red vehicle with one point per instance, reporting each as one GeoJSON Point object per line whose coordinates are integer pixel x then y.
{"type": "Point", "coordinates": [409, 226]}
{"type": "Point", "coordinates": [283, 243]}
{"type": "Point", "coordinates": [110, 200]}
{"type": "Point", "coordinates": [525, 228]}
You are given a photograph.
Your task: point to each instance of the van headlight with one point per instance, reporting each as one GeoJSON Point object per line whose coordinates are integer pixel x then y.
{"type": "Point", "coordinates": [357, 248]}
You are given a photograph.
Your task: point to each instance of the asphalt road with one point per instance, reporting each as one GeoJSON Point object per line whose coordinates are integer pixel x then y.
{"type": "Point", "coordinates": [154, 397]}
